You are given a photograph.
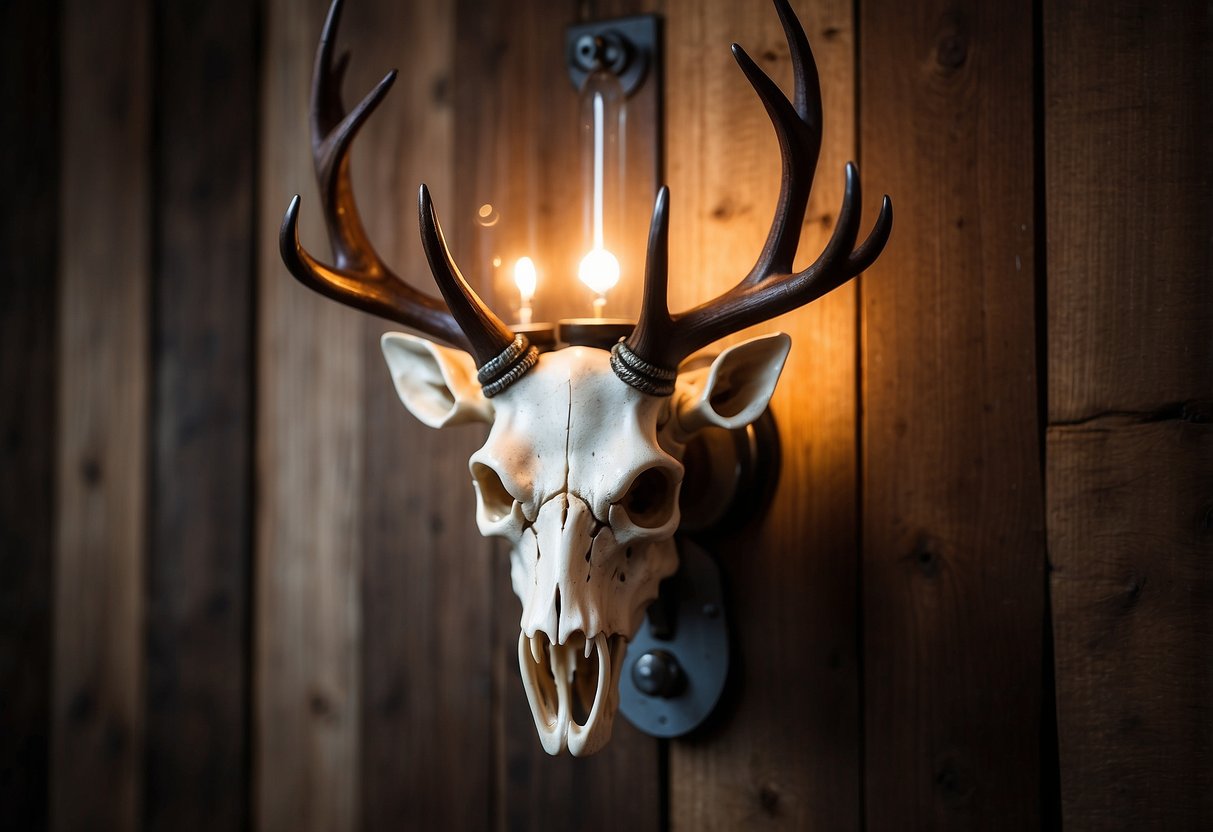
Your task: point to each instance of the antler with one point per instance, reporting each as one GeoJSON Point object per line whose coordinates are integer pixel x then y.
{"type": "Point", "coordinates": [649, 357]}
{"type": "Point", "coordinates": [360, 278]}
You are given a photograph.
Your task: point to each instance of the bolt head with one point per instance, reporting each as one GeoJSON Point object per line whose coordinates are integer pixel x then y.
{"type": "Point", "coordinates": [658, 673]}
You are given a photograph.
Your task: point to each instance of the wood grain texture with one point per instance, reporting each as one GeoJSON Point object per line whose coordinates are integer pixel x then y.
{"type": "Point", "coordinates": [425, 740]}
{"type": "Point", "coordinates": [102, 425]}
{"type": "Point", "coordinates": [1129, 536]}
{"type": "Point", "coordinates": [515, 147]}
{"type": "Point", "coordinates": [29, 167]}
{"type": "Point", "coordinates": [198, 690]}
{"type": "Point", "coordinates": [952, 504]}
{"type": "Point", "coordinates": [1127, 122]}
{"type": "Point", "coordinates": [785, 754]}
{"type": "Point", "coordinates": [521, 155]}
{"type": "Point", "coordinates": [309, 468]}
{"type": "Point", "coordinates": [1127, 119]}
{"type": "Point", "coordinates": [618, 788]}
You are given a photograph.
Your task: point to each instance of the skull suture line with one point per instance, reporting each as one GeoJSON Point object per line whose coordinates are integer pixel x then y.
{"type": "Point", "coordinates": [582, 466]}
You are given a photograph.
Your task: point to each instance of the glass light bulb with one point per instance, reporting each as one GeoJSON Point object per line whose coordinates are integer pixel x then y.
{"type": "Point", "coordinates": [599, 270]}
{"type": "Point", "coordinates": [525, 277]}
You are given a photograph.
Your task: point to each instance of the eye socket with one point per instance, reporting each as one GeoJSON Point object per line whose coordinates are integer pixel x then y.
{"type": "Point", "coordinates": [494, 496]}
{"type": "Point", "coordinates": [649, 500]}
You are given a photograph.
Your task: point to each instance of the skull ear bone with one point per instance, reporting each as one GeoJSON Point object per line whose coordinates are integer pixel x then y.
{"type": "Point", "coordinates": [437, 384]}
{"type": "Point", "coordinates": [736, 388]}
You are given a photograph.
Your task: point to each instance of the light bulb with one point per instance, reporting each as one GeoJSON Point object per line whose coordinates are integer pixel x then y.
{"type": "Point", "coordinates": [525, 277]}
{"type": "Point", "coordinates": [599, 270]}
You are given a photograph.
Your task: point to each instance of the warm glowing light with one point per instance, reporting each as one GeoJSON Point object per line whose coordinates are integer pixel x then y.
{"type": "Point", "coordinates": [525, 277]}
{"type": "Point", "coordinates": [599, 270]}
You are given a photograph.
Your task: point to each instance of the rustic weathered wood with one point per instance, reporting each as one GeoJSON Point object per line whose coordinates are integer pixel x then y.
{"type": "Point", "coordinates": [1129, 532]}
{"type": "Point", "coordinates": [952, 507]}
{"type": "Point", "coordinates": [516, 127]}
{"type": "Point", "coordinates": [1128, 173]}
{"type": "Point", "coordinates": [309, 463]}
{"type": "Point", "coordinates": [359, 277]}
{"type": "Point", "coordinates": [198, 690]}
{"type": "Point", "coordinates": [1127, 123]}
{"type": "Point", "coordinates": [511, 80]}
{"type": "Point", "coordinates": [102, 425]}
{"type": "Point", "coordinates": [786, 753]}
{"type": "Point", "coordinates": [426, 605]}
{"type": "Point", "coordinates": [521, 156]}
{"type": "Point", "coordinates": [29, 167]}
{"type": "Point", "coordinates": [618, 788]}
{"type": "Point", "coordinates": [772, 286]}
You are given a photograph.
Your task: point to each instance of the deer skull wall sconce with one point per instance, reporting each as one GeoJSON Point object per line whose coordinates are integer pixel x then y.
{"type": "Point", "coordinates": [582, 468]}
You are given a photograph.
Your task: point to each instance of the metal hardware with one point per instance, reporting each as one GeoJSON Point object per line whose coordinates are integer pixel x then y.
{"type": "Point", "coordinates": [625, 46]}
{"type": "Point", "coordinates": [677, 663]}
{"type": "Point", "coordinates": [658, 673]}
{"type": "Point", "coordinates": [730, 475]}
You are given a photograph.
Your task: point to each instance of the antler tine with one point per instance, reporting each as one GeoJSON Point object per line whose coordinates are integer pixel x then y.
{"type": "Point", "coordinates": [333, 132]}
{"type": "Point", "coordinates": [798, 129]}
{"type": "Point", "coordinates": [487, 335]}
{"type": "Point", "coordinates": [380, 295]}
{"type": "Point", "coordinates": [655, 323]}
{"type": "Point", "coordinates": [660, 340]}
{"type": "Point", "coordinates": [360, 278]}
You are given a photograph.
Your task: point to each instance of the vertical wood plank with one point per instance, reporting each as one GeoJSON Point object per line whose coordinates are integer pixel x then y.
{"type": "Point", "coordinates": [426, 601]}
{"type": "Point", "coordinates": [516, 117]}
{"type": "Point", "coordinates": [1130, 308]}
{"type": "Point", "coordinates": [786, 752]}
{"type": "Point", "coordinates": [29, 167]}
{"type": "Point", "coordinates": [309, 463]}
{"type": "Point", "coordinates": [198, 590]}
{"type": "Point", "coordinates": [1129, 534]}
{"type": "Point", "coordinates": [952, 504]}
{"type": "Point", "coordinates": [103, 380]}
{"type": "Point", "coordinates": [1128, 176]}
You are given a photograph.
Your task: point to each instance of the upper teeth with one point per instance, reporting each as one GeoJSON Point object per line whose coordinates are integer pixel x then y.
{"type": "Point", "coordinates": [559, 730]}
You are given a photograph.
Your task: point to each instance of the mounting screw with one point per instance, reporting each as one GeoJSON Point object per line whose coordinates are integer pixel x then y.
{"type": "Point", "coordinates": [591, 51]}
{"type": "Point", "coordinates": [657, 673]}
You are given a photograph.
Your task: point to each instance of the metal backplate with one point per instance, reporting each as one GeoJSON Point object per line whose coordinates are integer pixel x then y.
{"type": "Point", "coordinates": [627, 46]}
{"type": "Point", "coordinates": [687, 624]}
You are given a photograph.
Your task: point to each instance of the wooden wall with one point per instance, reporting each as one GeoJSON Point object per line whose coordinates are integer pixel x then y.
{"type": "Point", "coordinates": [241, 588]}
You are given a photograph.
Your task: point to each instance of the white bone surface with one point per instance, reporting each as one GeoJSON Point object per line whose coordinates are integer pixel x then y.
{"type": "Point", "coordinates": [581, 473]}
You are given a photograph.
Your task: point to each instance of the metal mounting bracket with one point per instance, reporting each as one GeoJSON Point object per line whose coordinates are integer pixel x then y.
{"type": "Point", "coordinates": [677, 664]}
{"type": "Point", "coordinates": [626, 46]}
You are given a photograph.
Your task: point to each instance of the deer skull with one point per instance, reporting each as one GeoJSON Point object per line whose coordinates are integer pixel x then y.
{"type": "Point", "coordinates": [583, 463]}
{"type": "Point", "coordinates": [580, 474]}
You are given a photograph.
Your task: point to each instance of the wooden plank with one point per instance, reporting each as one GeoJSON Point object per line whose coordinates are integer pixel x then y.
{"type": "Point", "coordinates": [518, 155]}
{"type": "Point", "coordinates": [1129, 527]}
{"type": "Point", "coordinates": [1126, 149]}
{"type": "Point", "coordinates": [103, 380]}
{"type": "Point", "coordinates": [785, 754]}
{"type": "Point", "coordinates": [952, 504]}
{"type": "Point", "coordinates": [309, 463]}
{"type": "Point", "coordinates": [29, 167]}
{"type": "Point", "coordinates": [426, 601]}
{"type": "Point", "coordinates": [516, 148]}
{"type": "Point", "coordinates": [198, 689]}
{"type": "Point", "coordinates": [1130, 370]}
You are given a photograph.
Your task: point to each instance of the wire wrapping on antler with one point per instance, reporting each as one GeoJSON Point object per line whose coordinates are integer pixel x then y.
{"type": "Point", "coordinates": [771, 288]}
{"type": "Point", "coordinates": [360, 277]}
